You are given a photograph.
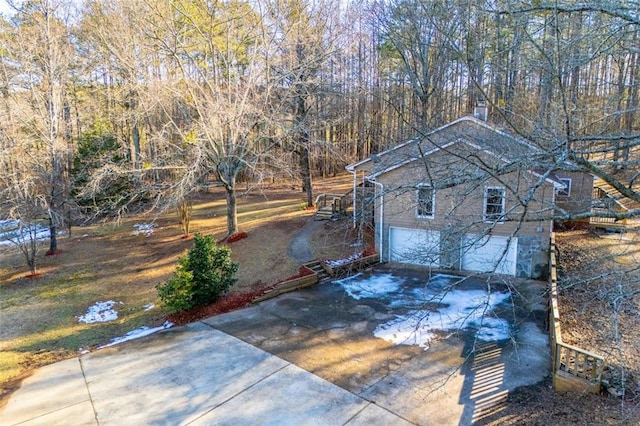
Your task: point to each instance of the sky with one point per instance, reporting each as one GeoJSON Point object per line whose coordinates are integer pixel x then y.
{"type": "Point", "coordinates": [4, 8]}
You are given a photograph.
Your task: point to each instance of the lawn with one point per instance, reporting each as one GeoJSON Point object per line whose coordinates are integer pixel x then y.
{"type": "Point", "coordinates": [108, 262]}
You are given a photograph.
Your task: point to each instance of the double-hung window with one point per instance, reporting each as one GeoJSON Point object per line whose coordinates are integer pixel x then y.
{"type": "Point", "coordinates": [426, 202]}
{"type": "Point", "coordinates": [494, 204]}
{"type": "Point", "coordinates": [566, 191]}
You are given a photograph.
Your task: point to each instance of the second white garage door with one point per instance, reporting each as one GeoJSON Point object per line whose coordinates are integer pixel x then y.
{"type": "Point", "coordinates": [487, 254]}
{"type": "Point", "coordinates": [415, 246]}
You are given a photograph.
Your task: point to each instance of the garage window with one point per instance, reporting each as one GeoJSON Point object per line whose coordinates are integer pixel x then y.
{"type": "Point", "coordinates": [426, 202]}
{"type": "Point", "coordinates": [494, 204]}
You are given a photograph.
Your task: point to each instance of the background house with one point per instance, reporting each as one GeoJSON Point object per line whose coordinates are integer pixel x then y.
{"type": "Point", "coordinates": [466, 196]}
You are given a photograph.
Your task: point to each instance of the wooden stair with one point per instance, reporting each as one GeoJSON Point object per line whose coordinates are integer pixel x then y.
{"type": "Point", "coordinates": [331, 206]}
{"type": "Point", "coordinates": [321, 273]}
{"type": "Point", "coordinates": [324, 213]}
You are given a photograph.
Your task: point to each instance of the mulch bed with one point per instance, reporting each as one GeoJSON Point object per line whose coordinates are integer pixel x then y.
{"type": "Point", "coordinates": [229, 302]}
{"type": "Point", "coordinates": [223, 305]}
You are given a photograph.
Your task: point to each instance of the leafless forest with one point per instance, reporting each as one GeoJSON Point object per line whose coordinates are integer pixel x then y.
{"type": "Point", "coordinates": [113, 106]}
{"type": "Point", "coordinates": [105, 104]}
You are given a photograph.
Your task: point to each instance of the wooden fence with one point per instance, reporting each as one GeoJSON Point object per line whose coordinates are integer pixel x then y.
{"type": "Point", "coordinates": [573, 369]}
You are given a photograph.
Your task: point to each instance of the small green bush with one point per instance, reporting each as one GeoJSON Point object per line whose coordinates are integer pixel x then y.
{"type": "Point", "coordinates": [203, 275]}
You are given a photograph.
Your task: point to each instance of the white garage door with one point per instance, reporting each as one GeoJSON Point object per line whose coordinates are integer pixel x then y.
{"type": "Point", "coordinates": [487, 254]}
{"type": "Point", "coordinates": [415, 246]}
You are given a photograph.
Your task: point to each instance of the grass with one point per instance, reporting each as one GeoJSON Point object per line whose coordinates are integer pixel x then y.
{"type": "Point", "coordinates": [38, 317]}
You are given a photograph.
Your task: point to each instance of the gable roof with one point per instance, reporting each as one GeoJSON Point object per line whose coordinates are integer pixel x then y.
{"type": "Point", "coordinates": [475, 133]}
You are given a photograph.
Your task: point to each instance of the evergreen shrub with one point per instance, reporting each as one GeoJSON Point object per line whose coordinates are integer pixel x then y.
{"type": "Point", "coordinates": [204, 274]}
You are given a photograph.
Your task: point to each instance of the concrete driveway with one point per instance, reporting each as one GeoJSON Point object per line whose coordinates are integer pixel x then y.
{"type": "Point", "coordinates": [385, 347]}
{"type": "Point", "coordinates": [463, 376]}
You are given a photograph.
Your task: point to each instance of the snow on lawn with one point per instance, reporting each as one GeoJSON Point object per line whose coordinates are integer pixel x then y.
{"type": "Point", "coordinates": [100, 312]}
{"type": "Point", "coordinates": [10, 232]}
{"type": "Point", "coordinates": [376, 286]}
{"type": "Point", "coordinates": [455, 309]}
{"type": "Point", "coordinates": [137, 333]}
{"type": "Point", "coordinates": [104, 312]}
{"type": "Point", "coordinates": [145, 229]}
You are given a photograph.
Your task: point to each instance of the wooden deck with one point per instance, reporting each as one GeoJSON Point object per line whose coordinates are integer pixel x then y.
{"type": "Point", "coordinates": [332, 206]}
{"type": "Point", "coordinates": [608, 202]}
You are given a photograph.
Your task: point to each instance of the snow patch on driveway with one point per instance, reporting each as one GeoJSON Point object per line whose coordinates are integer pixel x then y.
{"type": "Point", "coordinates": [379, 286]}
{"type": "Point", "coordinates": [449, 309]}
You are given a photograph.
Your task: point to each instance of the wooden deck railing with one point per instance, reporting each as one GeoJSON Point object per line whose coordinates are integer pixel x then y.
{"type": "Point", "coordinates": [573, 368]}
{"type": "Point", "coordinates": [332, 205]}
{"type": "Point", "coordinates": [597, 219]}
{"type": "Point", "coordinates": [578, 362]}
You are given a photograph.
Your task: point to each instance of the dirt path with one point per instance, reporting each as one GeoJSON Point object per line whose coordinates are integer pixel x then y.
{"type": "Point", "coordinates": [300, 245]}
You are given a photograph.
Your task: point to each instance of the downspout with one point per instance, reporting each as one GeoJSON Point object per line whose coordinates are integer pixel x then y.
{"type": "Point", "coordinates": [380, 223]}
{"type": "Point", "coordinates": [355, 193]}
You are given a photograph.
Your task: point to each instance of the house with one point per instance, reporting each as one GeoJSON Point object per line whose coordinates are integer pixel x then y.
{"type": "Point", "coordinates": [467, 196]}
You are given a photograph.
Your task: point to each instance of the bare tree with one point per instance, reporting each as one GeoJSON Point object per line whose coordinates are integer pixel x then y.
{"type": "Point", "coordinates": [35, 96]}
{"type": "Point", "coordinates": [302, 42]}
{"type": "Point", "coordinates": [220, 87]}
{"type": "Point", "coordinates": [23, 207]}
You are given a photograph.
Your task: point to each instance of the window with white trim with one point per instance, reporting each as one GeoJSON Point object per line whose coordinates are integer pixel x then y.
{"type": "Point", "coordinates": [426, 202]}
{"type": "Point", "coordinates": [494, 204]}
{"type": "Point", "coordinates": [566, 191]}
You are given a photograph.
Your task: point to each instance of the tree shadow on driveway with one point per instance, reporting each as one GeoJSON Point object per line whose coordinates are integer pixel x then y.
{"type": "Point", "coordinates": [330, 333]}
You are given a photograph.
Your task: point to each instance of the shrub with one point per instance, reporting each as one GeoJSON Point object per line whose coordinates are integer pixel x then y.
{"type": "Point", "coordinates": [203, 275]}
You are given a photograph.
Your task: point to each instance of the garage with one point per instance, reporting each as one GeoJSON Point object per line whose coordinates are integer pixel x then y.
{"type": "Point", "coordinates": [487, 254]}
{"type": "Point", "coordinates": [415, 246]}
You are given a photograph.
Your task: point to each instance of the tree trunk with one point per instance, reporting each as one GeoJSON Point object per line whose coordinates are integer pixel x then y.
{"type": "Point", "coordinates": [53, 239]}
{"type": "Point", "coordinates": [31, 262]}
{"type": "Point", "coordinates": [232, 209]}
{"type": "Point", "coordinates": [305, 171]}
{"type": "Point", "coordinates": [300, 114]}
{"type": "Point", "coordinates": [136, 145]}
{"type": "Point", "coordinates": [546, 74]}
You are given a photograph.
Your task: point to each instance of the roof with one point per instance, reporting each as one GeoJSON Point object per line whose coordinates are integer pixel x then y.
{"type": "Point", "coordinates": [468, 130]}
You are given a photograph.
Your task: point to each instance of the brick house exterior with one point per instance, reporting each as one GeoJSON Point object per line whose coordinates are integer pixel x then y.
{"type": "Point", "coordinates": [468, 196]}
